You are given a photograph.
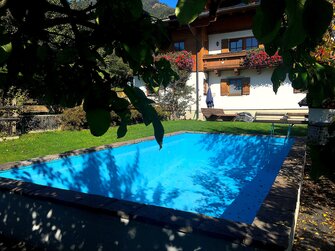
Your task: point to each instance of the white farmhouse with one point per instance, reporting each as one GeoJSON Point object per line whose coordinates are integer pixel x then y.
{"type": "Point", "coordinates": [219, 49]}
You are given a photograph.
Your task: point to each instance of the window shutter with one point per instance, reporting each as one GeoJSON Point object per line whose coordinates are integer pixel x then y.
{"type": "Point", "coordinates": [246, 86]}
{"type": "Point", "coordinates": [224, 88]}
{"type": "Point", "coordinates": [224, 45]}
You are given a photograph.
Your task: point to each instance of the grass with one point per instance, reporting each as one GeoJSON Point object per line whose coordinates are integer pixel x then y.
{"type": "Point", "coordinates": [41, 144]}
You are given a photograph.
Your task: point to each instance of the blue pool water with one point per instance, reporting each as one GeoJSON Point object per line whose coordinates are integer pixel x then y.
{"type": "Point", "coordinates": [223, 176]}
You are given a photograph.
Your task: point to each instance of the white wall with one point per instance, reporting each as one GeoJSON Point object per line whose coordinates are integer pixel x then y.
{"type": "Point", "coordinates": [261, 95]}
{"type": "Point", "coordinates": [139, 83]}
{"type": "Point", "coordinates": [190, 111]}
{"type": "Point", "coordinates": [213, 48]}
{"type": "Point", "coordinates": [192, 82]}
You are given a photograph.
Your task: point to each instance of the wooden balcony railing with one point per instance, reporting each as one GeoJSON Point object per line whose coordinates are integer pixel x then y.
{"type": "Point", "coordinates": [224, 61]}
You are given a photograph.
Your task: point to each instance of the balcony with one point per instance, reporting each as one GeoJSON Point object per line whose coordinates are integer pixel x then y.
{"type": "Point", "coordinates": [247, 59]}
{"type": "Point", "coordinates": [224, 61]}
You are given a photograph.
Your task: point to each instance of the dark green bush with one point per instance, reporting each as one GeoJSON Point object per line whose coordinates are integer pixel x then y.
{"type": "Point", "coordinates": [115, 119]}
{"type": "Point", "coordinates": [162, 114]}
{"type": "Point", "coordinates": [135, 117]}
{"type": "Point", "coordinates": [74, 119]}
{"type": "Point", "coordinates": [39, 122]}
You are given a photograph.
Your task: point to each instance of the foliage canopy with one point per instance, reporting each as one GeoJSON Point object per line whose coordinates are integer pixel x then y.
{"type": "Point", "coordinates": [58, 51]}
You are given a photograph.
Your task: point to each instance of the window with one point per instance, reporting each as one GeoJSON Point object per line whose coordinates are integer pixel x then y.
{"type": "Point", "coordinates": [251, 43]}
{"type": "Point", "coordinates": [179, 46]}
{"type": "Point", "coordinates": [235, 45]}
{"type": "Point", "coordinates": [239, 44]}
{"type": "Point", "coordinates": [235, 87]}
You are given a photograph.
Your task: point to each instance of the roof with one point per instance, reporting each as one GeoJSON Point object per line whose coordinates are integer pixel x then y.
{"type": "Point", "coordinates": [220, 11]}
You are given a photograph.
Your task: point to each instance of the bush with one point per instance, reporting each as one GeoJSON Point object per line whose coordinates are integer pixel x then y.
{"type": "Point", "coordinates": [135, 117]}
{"type": "Point", "coordinates": [115, 119]}
{"type": "Point", "coordinates": [74, 119]}
{"type": "Point", "coordinates": [162, 114]}
{"type": "Point", "coordinates": [39, 123]}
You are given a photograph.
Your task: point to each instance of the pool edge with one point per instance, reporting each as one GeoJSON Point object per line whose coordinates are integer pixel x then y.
{"type": "Point", "coordinates": [285, 191]}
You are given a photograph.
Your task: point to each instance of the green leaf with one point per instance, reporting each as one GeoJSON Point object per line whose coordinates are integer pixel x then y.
{"type": "Point", "coordinates": [140, 53]}
{"type": "Point", "coordinates": [121, 107]}
{"type": "Point", "coordinates": [99, 121]}
{"type": "Point", "coordinates": [188, 10]}
{"type": "Point", "coordinates": [141, 103]}
{"type": "Point", "coordinates": [278, 77]}
{"type": "Point", "coordinates": [299, 76]}
{"type": "Point", "coordinates": [267, 20]}
{"type": "Point", "coordinates": [315, 96]}
{"type": "Point", "coordinates": [287, 58]}
{"type": "Point", "coordinates": [42, 52]}
{"type": "Point", "coordinates": [136, 8]}
{"type": "Point", "coordinates": [67, 55]}
{"type": "Point", "coordinates": [159, 130]}
{"type": "Point", "coordinates": [162, 36]}
{"type": "Point", "coordinates": [317, 17]}
{"type": "Point", "coordinates": [270, 49]}
{"type": "Point", "coordinates": [264, 27]}
{"type": "Point", "coordinates": [165, 73]}
{"type": "Point", "coordinates": [295, 33]}
{"type": "Point", "coordinates": [122, 130]}
{"type": "Point", "coordinates": [300, 81]}
{"type": "Point", "coordinates": [144, 106]}
{"type": "Point", "coordinates": [5, 51]}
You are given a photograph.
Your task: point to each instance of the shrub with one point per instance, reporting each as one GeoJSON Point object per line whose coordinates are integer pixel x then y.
{"type": "Point", "coordinates": [115, 119]}
{"type": "Point", "coordinates": [39, 123]}
{"type": "Point", "coordinates": [73, 119]}
{"type": "Point", "coordinates": [135, 117]}
{"type": "Point", "coordinates": [162, 114]}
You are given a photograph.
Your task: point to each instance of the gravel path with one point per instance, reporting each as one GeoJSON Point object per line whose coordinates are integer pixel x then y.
{"type": "Point", "coordinates": [316, 221]}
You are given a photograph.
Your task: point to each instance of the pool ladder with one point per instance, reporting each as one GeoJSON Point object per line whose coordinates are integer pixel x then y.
{"type": "Point", "coordinates": [272, 130]}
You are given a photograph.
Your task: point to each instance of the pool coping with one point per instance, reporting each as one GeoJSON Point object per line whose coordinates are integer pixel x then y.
{"type": "Point", "coordinates": [272, 228]}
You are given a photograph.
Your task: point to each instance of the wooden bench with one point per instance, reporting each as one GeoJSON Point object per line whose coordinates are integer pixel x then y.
{"type": "Point", "coordinates": [297, 117]}
{"type": "Point", "coordinates": [290, 118]}
{"type": "Point", "coordinates": [270, 117]}
{"type": "Point", "coordinates": [284, 118]}
{"type": "Point", "coordinates": [214, 114]}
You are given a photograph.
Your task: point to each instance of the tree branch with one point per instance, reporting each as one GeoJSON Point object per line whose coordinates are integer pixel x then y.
{"type": "Point", "coordinates": [65, 20]}
{"type": "Point", "coordinates": [3, 3]}
{"type": "Point", "coordinates": [65, 10]}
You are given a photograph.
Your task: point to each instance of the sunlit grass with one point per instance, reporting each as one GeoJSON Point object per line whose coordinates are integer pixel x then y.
{"type": "Point", "coordinates": [41, 144]}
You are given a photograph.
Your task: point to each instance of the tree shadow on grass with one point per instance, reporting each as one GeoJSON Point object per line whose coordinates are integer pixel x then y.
{"type": "Point", "coordinates": [256, 129]}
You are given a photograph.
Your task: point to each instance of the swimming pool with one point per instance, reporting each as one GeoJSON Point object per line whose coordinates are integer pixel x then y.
{"type": "Point", "coordinates": [218, 175]}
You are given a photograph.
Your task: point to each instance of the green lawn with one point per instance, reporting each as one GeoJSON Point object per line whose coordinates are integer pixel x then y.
{"type": "Point", "coordinates": [41, 144]}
